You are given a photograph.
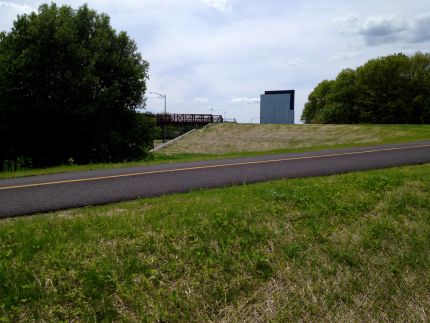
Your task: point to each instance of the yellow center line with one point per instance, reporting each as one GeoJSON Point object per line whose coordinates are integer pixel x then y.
{"type": "Point", "coordinates": [174, 170]}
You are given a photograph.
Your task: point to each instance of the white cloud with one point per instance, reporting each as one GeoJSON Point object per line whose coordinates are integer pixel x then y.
{"type": "Point", "coordinates": [230, 51]}
{"type": "Point", "coordinates": [15, 6]}
{"type": "Point", "coordinates": [201, 100]}
{"type": "Point", "coordinates": [8, 12]}
{"type": "Point", "coordinates": [383, 25]}
{"type": "Point", "coordinates": [421, 28]}
{"type": "Point", "coordinates": [314, 7]}
{"type": "Point", "coordinates": [383, 29]}
{"type": "Point", "coordinates": [221, 5]}
{"type": "Point", "coordinates": [296, 61]}
{"type": "Point", "coordinates": [348, 23]}
{"type": "Point", "coordinates": [245, 100]}
{"type": "Point", "coordinates": [343, 56]}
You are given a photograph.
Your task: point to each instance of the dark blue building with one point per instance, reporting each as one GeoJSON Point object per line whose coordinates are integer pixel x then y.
{"type": "Point", "coordinates": [277, 107]}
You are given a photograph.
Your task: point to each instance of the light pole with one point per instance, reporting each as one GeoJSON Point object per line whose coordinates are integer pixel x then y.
{"type": "Point", "coordinates": [165, 112]}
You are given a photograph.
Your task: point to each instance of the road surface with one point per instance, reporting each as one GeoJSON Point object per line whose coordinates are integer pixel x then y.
{"type": "Point", "coordinates": [29, 195]}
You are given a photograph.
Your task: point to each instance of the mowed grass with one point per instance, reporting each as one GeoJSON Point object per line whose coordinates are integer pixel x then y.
{"type": "Point", "coordinates": [353, 247]}
{"type": "Point", "coordinates": [230, 138]}
{"type": "Point", "coordinates": [153, 159]}
{"type": "Point", "coordinates": [239, 140]}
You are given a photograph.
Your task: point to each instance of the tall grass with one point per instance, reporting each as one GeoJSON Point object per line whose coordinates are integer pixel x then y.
{"type": "Point", "coordinates": [351, 247]}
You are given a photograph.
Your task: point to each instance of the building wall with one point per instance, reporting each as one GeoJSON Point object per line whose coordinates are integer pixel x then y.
{"type": "Point", "coordinates": [277, 107]}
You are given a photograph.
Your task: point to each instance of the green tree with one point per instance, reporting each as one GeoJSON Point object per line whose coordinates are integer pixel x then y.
{"type": "Point", "coordinates": [419, 75]}
{"type": "Point", "coordinates": [390, 89]}
{"type": "Point", "coordinates": [343, 98]}
{"type": "Point", "coordinates": [318, 99]}
{"type": "Point", "coordinates": [383, 90]}
{"type": "Point", "coordinates": [69, 88]}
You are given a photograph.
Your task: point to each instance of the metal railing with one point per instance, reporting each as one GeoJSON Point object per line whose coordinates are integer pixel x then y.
{"type": "Point", "coordinates": [198, 119]}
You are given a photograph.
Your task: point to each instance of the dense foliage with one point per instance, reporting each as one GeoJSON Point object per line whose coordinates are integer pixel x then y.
{"type": "Point", "coordinates": [69, 89]}
{"type": "Point", "coordinates": [391, 89]}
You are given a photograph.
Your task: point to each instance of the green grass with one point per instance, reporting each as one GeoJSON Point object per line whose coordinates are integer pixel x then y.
{"type": "Point", "coordinates": [351, 247]}
{"type": "Point", "coordinates": [151, 160]}
{"type": "Point", "coordinates": [241, 140]}
{"type": "Point", "coordinates": [251, 138]}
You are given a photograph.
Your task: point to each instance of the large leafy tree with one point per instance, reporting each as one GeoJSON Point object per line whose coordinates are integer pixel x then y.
{"type": "Point", "coordinates": [69, 88]}
{"type": "Point", "coordinates": [390, 89]}
{"type": "Point", "coordinates": [317, 100]}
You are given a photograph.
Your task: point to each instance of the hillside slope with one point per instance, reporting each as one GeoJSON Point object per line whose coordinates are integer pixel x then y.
{"type": "Point", "coordinates": [240, 138]}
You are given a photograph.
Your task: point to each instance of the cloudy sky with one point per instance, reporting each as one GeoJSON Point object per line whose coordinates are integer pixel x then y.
{"type": "Point", "coordinates": [222, 54]}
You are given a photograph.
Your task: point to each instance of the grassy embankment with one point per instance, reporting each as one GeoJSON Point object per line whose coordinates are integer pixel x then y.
{"type": "Point", "coordinates": [235, 140]}
{"type": "Point", "coordinates": [351, 247]}
{"type": "Point", "coordinates": [153, 159]}
{"type": "Point", "coordinates": [243, 139]}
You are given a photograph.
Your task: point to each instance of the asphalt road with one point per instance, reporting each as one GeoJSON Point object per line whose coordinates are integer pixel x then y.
{"type": "Point", "coordinates": [29, 195]}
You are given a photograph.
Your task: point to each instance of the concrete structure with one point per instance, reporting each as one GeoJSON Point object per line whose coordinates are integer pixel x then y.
{"type": "Point", "coordinates": [277, 107]}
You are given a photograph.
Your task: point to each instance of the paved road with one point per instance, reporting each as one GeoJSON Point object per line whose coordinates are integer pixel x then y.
{"type": "Point", "coordinates": [28, 195]}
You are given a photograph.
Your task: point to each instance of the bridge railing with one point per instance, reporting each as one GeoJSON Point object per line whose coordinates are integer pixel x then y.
{"type": "Point", "coordinates": [175, 118]}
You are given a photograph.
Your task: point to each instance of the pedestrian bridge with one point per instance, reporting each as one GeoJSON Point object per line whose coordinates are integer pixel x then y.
{"type": "Point", "coordinates": [187, 119]}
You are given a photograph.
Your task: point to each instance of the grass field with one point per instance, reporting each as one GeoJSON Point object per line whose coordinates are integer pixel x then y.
{"type": "Point", "coordinates": [236, 140]}
{"type": "Point", "coordinates": [351, 247]}
{"type": "Point", "coordinates": [151, 160]}
{"type": "Point", "coordinates": [245, 138]}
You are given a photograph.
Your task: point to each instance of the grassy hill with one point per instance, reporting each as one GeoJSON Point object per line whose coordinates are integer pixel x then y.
{"type": "Point", "coordinates": [235, 140]}
{"type": "Point", "coordinates": [351, 247]}
{"type": "Point", "coordinates": [252, 138]}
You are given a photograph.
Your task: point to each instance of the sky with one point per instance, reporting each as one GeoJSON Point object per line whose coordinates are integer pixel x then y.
{"type": "Point", "coordinates": [220, 55]}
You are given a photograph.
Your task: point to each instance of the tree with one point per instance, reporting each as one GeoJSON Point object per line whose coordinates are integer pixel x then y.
{"type": "Point", "coordinates": [390, 89]}
{"type": "Point", "coordinates": [69, 88]}
{"type": "Point", "coordinates": [383, 90]}
{"type": "Point", "coordinates": [343, 98]}
{"type": "Point", "coordinates": [317, 101]}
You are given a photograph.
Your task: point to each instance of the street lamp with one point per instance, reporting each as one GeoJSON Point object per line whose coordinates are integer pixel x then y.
{"type": "Point", "coordinates": [165, 112]}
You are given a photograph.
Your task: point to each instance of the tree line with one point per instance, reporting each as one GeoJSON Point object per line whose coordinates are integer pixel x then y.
{"type": "Point", "coordinates": [70, 90]}
{"type": "Point", "coordinates": [394, 89]}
